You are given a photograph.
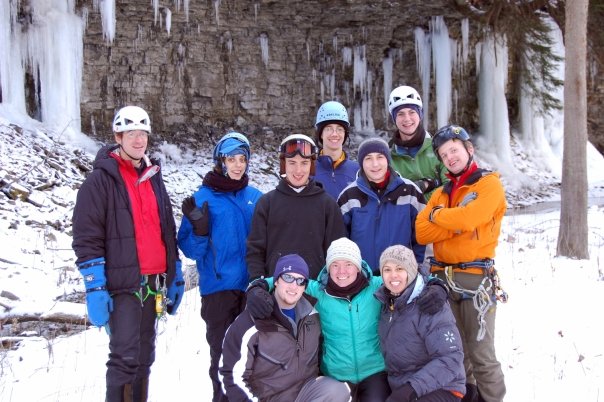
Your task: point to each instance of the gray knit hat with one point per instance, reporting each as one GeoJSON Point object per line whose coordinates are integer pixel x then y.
{"type": "Point", "coordinates": [373, 144]}
{"type": "Point", "coordinates": [402, 256]}
{"type": "Point", "coordinates": [344, 249]}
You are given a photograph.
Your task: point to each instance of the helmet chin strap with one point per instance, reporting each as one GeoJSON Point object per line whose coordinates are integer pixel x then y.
{"type": "Point", "coordinates": [465, 169]}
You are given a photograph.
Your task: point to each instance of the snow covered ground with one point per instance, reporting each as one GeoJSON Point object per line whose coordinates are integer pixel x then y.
{"type": "Point", "coordinates": [548, 334]}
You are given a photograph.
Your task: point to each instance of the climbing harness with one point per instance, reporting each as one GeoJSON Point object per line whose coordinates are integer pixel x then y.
{"type": "Point", "coordinates": [160, 294]}
{"type": "Point", "coordinates": [487, 292]}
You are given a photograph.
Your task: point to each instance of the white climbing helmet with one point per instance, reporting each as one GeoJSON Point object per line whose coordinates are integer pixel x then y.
{"type": "Point", "coordinates": [404, 95]}
{"type": "Point", "coordinates": [131, 118]}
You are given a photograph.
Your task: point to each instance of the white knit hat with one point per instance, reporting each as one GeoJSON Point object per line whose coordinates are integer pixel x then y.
{"type": "Point", "coordinates": [402, 256]}
{"type": "Point", "coordinates": [344, 249]}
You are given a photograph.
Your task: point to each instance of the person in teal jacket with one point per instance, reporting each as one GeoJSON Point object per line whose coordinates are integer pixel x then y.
{"type": "Point", "coordinates": [349, 318]}
{"type": "Point", "coordinates": [411, 145]}
{"type": "Point", "coordinates": [213, 232]}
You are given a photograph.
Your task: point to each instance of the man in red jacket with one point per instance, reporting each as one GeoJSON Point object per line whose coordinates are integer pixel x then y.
{"type": "Point", "coordinates": [124, 237]}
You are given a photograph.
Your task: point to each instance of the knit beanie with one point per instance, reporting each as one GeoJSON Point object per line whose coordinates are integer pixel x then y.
{"type": "Point", "coordinates": [373, 144]}
{"type": "Point", "coordinates": [402, 256]}
{"type": "Point", "coordinates": [417, 109]}
{"type": "Point", "coordinates": [344, 249]}
{"type": "Point", "coordinates": [290, 264]}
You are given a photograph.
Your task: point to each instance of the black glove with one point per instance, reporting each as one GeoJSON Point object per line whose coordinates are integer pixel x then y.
{"type": "Point", "coordinates": [428, 184]}
{"type": "Point", "coordinates": [259, 301]}
{"type": "Point", "coordinates": [200, 219]}
{"type": "Point", "coordinates": [433, 298]}
{"type": "Point", "coordinates": [404, 394]}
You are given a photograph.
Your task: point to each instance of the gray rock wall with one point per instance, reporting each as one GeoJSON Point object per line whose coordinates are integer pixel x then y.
{"type": "Point", "coordinates": [209, 74]}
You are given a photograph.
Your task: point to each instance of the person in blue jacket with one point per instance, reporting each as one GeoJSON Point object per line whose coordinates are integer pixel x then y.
{"type": "Point", "coordinates": [334, 170]}
{"type": "Point", "coordinates": [349, 316]}
{"type": "Point", "coordinates": [423, 353]}
{"type": "Point", "coordinates": [380, 207]}
{"type": "Point", "coordinates": [216, 222]}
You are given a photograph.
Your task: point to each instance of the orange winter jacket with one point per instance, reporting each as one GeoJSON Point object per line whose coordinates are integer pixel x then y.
{"type": "Point", "coordinates": [464, 233]}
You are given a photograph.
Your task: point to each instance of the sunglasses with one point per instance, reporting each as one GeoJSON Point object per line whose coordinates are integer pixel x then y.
{"type": "Point", "coordinates": [297, 146]}
{"type": "Point", "coordinates": [289, 278]}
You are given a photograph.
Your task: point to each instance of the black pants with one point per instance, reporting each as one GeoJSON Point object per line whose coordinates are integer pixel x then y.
{"type": "Point", "coordinates": [374, 388]}
{"type": "Point", "coordinates": [440, 395]}
{"type": "Point", "coordinates": [219, 310]}
{"type": "Point", "coordinates": [132, 339]}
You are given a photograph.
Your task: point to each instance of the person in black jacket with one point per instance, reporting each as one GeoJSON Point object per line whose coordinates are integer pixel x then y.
{"type": "Point", "coordinates": [124, 238]}
{"type": "Point", "coordinates": [298, 216]}
{"type": "Point", "coordinates": [276, 359]}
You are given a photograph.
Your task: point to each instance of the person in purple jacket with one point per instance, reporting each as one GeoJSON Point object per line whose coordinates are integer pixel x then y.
{"type": "Point", "coordinates": [423, 353]}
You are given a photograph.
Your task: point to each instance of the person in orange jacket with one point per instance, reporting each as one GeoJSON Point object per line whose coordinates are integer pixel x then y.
{"type": "Point", "coordinates": [463, 221]}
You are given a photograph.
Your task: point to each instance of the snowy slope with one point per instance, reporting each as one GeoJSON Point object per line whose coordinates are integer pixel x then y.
{"type": "Point", "coordinates": [548, 338]}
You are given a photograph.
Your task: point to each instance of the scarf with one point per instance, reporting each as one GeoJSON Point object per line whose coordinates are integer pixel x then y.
{"type": "Point", "coordinates": [416, 141]}
{"type": "Point", "coordinates": [349, 291]}
{"type": "Point", "coordinates": [224, 184]}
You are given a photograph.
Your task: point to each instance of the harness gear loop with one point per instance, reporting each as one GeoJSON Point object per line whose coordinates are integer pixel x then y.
{"type": "Point", "coordinates": [161, 300]}
{"type": "Point", "coordinates": [482, 297]}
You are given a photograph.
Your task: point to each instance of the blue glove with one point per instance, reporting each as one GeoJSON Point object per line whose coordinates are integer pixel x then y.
{"type": "Point", "coordinates": [98, 301]}
{"type": "Point", "coordinates": [176, 290]}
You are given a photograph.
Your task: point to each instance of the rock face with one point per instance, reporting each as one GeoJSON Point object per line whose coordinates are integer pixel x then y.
{"type": "Point", "coordinates": [201, 67]}
{"type": "Point", "coordinates": [250, 65]}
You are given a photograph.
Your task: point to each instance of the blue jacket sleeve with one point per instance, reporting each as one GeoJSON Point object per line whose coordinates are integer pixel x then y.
{"type": "Point", "coordinates": [193, 246]}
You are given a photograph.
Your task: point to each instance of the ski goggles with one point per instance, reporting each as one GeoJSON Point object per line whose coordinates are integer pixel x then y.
{"type": "Point", "coordinates": [289, 278]}
{"type": "Point", "coordinates": [305, 149]}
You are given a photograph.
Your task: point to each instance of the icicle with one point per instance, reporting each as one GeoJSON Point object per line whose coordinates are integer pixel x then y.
{"type": "Point", "coordinates": [216, 11]}
{"type": "Point", "coordinates": [107, 8]}
{"type": "Point", "coordinates": [155, 4]}
{"type": "Point", "coordinates": [387, 65]}
{"type": "Point", "coordinates": [11, 69]}
{"type": "Point", "coordinates": [332, 87]}
{"type": "Point", "coordinates": [441, 52]}
{"type": "Point", "coordinates": [362, 83]}
{"type": "Point", "coordinates": [494, 123]}
{"type": "Point", "coordinates": [359, 68]}
{"type": "Point", "coordinates": [465, 40]}
{"type": "Point", "coordinates": [346, 57]}
{"type": "Point", "coordinates": [256, 7]}
{"type": "Point", "coordinates": [54, 52]}
{"type": "Point", "coordinates": [168, 20]}
{"type": "Point", "coordinates": [307, 51]}
{"type": "Point", "coordinates": [186, 7]}
{"type": "Point", "coordinates": [424, 60]}
{"type": "Point", "coordinates": [335, 44]}
{"type": "Point", "coordinates": [181, 54]}
{"type": "Point", "coordinates": [264, 48]}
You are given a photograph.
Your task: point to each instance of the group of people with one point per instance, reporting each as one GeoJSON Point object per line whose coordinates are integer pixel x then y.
{"type": "Point", "coordinates": [348, 281]}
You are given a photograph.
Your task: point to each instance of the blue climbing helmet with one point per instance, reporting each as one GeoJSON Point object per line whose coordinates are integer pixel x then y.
{"type": "Point", "coordinates": [232, 143]}
{"type": "Point", "coordinates": [329, 113]}
{"type": "Point", "coordinates": [450, 132]}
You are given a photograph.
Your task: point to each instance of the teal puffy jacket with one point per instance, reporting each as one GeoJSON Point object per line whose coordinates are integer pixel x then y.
{"type": "Point", "coordinates": [351, 345]}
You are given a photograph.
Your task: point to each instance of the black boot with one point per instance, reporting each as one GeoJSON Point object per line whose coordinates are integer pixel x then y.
{"type": "Point", "coordinates": [140, 390]}
{"type": "Point", "coordinates": [119, 393]}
